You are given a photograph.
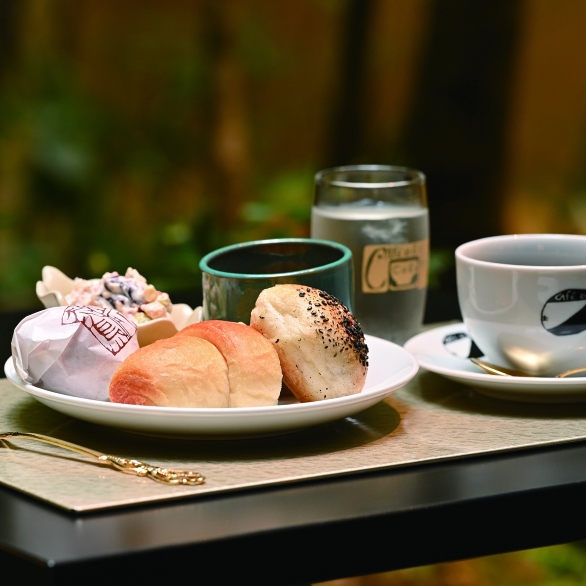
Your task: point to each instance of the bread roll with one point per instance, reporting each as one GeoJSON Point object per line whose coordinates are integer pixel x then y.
{"type": "Point", "coordinates": [173, 372]}
{"type": "Point", "coordinates": [73, 349]}
{"type": "Point", "coordinates": [254, 369]}
{"type": "Point", "coordinates": [320, 344]}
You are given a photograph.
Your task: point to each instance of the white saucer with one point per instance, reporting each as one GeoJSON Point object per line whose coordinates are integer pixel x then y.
{"type": "Point", "coordinates": [445, 351]}
{"type": "Point", "coordinates": [390, 367]}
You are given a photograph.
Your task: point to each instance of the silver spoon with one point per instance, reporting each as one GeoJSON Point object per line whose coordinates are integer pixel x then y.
{"type": "Point", "coordinates": [503, 371]}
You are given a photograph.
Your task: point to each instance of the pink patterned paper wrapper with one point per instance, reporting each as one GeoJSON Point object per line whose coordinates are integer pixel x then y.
{"type": "Point", "coordinates": [73, 349]}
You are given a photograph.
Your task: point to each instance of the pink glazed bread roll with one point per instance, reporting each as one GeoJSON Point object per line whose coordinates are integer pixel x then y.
{"type": "Point", "coordinates": [254, 369]}
{"type": "Point", "coordinates": [208, 364]}
{"type": "Point", "coordinates": [321, 346]}
{"type": "Point", "coordinates": [173, 372]}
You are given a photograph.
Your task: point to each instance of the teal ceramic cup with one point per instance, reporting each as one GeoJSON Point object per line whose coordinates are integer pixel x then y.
{"type": "Point", "coordinates": [234, 276]}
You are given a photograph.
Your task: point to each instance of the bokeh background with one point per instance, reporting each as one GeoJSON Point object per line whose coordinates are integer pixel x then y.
{"type": "Point", "coordinates": [145, 133]}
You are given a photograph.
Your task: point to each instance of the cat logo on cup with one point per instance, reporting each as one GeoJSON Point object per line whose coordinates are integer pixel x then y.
{"type": "Point", "coordinates": [460, 344]}
{"type": "Point", "coordinates": [394, 267]}
{"type": "Point", "coordinates": [564, 314]}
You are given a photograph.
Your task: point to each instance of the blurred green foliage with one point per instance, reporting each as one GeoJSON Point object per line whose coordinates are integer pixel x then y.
{"type": "Point", "coordinates": [91, 182]}
{"type": "Point", "coordinates": [558, 565]}
{"type": "Point", "coordinates": [146, 136]}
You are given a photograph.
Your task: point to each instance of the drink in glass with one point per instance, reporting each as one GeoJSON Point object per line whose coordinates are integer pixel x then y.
{"type": "Point", "coordinates": [380, 213]}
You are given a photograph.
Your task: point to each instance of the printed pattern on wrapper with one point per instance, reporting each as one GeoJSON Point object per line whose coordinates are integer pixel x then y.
{"type": "Point", "coordinates": [111, 328]}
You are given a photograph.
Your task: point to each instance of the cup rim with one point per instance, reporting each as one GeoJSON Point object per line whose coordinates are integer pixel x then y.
{"type": "Point", "coordinates": [205, 268]}
{"type": "Point", "coordinates": [462, 252]}
{"type": "Point", "coordinates": [416, 177]}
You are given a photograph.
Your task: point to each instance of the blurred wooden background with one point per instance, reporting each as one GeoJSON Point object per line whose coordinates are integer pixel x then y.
{"type": "Point", "coordinates": [145, 133]}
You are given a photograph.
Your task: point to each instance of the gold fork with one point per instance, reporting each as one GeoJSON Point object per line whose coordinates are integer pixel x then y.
{"type": "Point", "coordinates": [130, 466]}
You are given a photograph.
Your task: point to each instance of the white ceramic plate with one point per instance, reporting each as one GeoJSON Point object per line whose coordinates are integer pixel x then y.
{"type": "Point", "coordinates": [390, 367]}
{"type": "Point", "coordinates": [445, 351]}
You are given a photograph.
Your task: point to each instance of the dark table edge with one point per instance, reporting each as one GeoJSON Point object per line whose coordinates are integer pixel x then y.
{"type": "Point", "coordinates": [507, 502]}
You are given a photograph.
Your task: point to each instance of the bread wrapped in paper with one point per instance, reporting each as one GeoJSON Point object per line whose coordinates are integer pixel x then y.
{"type": "Point", "coordinates": [73, 349]}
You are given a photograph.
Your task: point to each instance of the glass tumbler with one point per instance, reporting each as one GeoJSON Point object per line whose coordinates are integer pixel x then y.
{"type": "Point", "coordinates": [380, 212]}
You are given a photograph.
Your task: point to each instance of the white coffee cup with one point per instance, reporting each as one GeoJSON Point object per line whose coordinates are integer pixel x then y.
{"type": "Point", "coordinates": [523, 299]}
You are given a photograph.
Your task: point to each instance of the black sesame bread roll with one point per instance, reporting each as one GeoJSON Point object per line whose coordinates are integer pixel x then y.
{"type": "Point", "coordinates": [320, 344]}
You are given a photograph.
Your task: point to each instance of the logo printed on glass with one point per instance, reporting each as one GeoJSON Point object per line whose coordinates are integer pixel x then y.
{"type": "Point", "coordinates": [394, 267]}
